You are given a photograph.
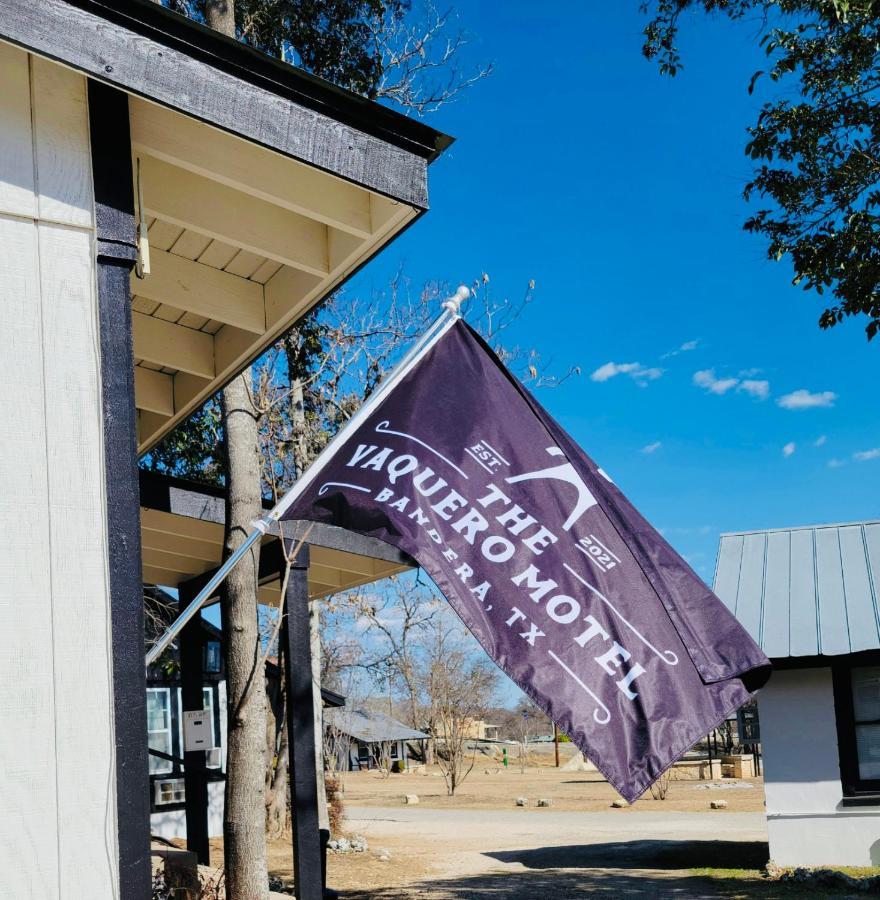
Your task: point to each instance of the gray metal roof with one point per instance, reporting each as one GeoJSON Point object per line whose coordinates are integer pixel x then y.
{"type": "Point", "coordinates": [370, 727]}
{"type": "Point", "coordinates": [810, 591]}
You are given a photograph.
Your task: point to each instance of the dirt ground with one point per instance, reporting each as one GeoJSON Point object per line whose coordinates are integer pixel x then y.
{"type": "Point", "coordinates": [490, 786]}
{"type": "Point", "coordinates": [480, 844]}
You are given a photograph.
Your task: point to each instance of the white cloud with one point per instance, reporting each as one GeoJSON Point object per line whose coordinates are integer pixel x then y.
{"type": "Point", "coordinates": [760, 390]}
{"type": "Point", "coordinates": [789, 448]}
{"type": "Point", "coordinates": [836, 463]}
{"type": "Point", "coordinates": [686, 347]}
{"type": "Point", "coordinates": [803, 399]}
{"type": "Point", "coordinates": [707, 379]}
{"type": "Point", "coordinates": [820, 441]}
{"type": "Point", "coordinates": [865, 455]}
{"type": "Point", "coordinates": [652, 448]}
{"type": "Point", "coordinates": [750, 373]}
{"type": "Point", "coordinates": [639, 373]}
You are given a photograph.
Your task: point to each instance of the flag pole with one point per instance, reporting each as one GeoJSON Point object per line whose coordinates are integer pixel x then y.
{"type": "Point", "coordinates": [435, 331]}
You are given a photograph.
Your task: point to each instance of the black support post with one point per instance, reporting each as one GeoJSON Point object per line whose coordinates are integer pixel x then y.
{"type": "Point", "coordinates": [195, 773]}
{"type": "Point", "coordinates": [116, 242]}
{"type": "Point", "coordinates": [307, 857]}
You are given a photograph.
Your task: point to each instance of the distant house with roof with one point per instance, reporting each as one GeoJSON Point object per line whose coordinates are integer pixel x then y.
{"type": "Point", "coordinates": [811, 598]}
{"type": "Point", "coordinates": [365, 739]}
{"type": "Point", "coordinates": [165, 715]}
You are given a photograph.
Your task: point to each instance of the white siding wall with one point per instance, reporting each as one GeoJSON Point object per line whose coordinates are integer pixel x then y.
{"type": "Point", "coordinates": [805, 820]}
{"type": "Point", "coordinates": [171, 824]}
{"type": "Point", "coordinates": [57, 803]}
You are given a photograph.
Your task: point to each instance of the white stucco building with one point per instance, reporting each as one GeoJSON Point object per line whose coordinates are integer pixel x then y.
{"type": "Point", "coordinates": [810, 597]}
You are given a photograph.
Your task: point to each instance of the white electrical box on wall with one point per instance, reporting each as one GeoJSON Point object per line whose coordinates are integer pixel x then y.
{"type": "Point", "coordinates": [197, 731]}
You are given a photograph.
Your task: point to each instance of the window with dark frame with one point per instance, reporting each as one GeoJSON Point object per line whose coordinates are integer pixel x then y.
{"type": "Point", "coordinates": [857, 703]}
{"type": "Point", "coordinates": [211, 660]}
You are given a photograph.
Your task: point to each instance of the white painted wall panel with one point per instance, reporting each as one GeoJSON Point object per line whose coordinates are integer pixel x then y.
{"type": "Point", "coordinates": [806, 822]}
{"type": "Point", "coordinates": [80, 610]}
{"type": "Point", "coordinates": [61, 145]}
{"type": "Point", "coordinates": [57, 805]}
{"type": "Point", "coordinates": [799, 738]}
{"type": "Point", "coordinates": [171, 824]}
{"type": "Point", "coordinates": [28, 809]}
{"type": "Point", "coordinates": [16, 142]}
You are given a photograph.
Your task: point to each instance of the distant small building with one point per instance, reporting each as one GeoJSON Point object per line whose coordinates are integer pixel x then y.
{"type": "Point", "coordinates": [811, 598]}
{"type": "Point", "coordinates": [165, 735]}
{"type": "Point", "coordinates": [165, 726]}
{"type": "Point", "coordinates": [365, 739]}
{"type": "Point", "coordinates": [480, 730]}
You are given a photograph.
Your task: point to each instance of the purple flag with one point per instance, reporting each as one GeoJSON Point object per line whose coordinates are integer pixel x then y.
{"type": "Point", "coordinates": [569, 590]}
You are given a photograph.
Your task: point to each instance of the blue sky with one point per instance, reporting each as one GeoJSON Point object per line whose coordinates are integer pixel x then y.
{"type": "Point", "coordinates": [619, 192]}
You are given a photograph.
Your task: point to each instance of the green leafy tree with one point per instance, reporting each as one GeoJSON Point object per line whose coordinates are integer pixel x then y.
{"type": "Point", "coordinates": [817, 154]}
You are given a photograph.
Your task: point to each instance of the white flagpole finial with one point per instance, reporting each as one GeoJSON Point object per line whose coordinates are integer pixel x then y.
{"type": "Point", "coordinates": [454, 302]}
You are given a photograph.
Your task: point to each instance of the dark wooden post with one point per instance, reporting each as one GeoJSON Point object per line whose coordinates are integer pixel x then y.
{"type": "Point", "coordinates": [195, 772]}
{"type": "Point", "coordinates": [115, 251]}
{"type": "Point", "coordinates": [307, 863]}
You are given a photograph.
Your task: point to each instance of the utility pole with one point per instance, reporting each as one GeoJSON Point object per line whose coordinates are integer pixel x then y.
{"type": "Point", "coordinates": [556, 743]}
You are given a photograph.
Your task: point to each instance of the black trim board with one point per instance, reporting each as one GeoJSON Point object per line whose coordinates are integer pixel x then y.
{"type": "Point", "coordinates": [114, 210]}
{"type": "Point", "coordinates": [856, 790]}
{"type": "Point", "coordinates": [299, 697]}
{"type": "Point", "coordinates": [195, 773]}
{"type": "Point", "coordinates": [144, 49]}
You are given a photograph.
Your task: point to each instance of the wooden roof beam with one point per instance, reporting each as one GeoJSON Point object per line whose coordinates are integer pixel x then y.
{"type": "Point", "coordinates": [173, 562]}
{"type": "Point", "coordinates": [208, 552]}
{"type": "Point", "coordinates": [174, 346]}
{"type": "Point", "coordinates": [229, 160]}
{"type": "Point", "coordinates": [174, 524]}
{"type": "Point", "coordinates": [225, 214]}
{"type": "Point", "coordinates": [202, 290]}
{"type": "Point", "coordinates": [154, 575]}
{"type": "Point", "coordinates": [153, 391]}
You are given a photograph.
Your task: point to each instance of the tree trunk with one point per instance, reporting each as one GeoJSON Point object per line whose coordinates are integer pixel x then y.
{"type": "Point", "coordinates": [244, 819]}
{"type": "Point", "coordinates": [318, 707]}
{"type": "Point", "coordinates": [276, 806]}
{"type": "Point", "coordinates": [300, 461]}
{"type": "Point", "coordinates": [220, 15]}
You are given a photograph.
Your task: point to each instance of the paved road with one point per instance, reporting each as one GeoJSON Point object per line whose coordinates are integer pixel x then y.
{"type": "Point", "coordinates": [618, 825]}
{"type": "Point", "coordinates": [524, 854]}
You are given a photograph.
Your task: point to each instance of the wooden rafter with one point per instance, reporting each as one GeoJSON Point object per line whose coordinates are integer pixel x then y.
{"type": "Point", "coordinates": [174, 346]}
{"type": "Point", "coordinates": [202, 290]}
{"type": "Point", "coordinates": [225, 214]}
{"type": "Point", "coordinates": [229, 160]}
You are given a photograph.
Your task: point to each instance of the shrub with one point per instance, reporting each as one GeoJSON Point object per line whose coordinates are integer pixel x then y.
{"type": "Point", "coordinates": [335, 803]}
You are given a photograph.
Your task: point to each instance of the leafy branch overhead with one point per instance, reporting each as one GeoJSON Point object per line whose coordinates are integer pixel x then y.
{"type": "Point", "coordinates": [408, 55]}
{"type": "Point", "coordinates": [817, 155]}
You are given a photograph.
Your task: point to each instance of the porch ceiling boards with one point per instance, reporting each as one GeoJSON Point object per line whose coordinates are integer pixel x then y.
{"type": "Point", "coordinates": [182, 539]}
{"type": "Point", "coordinates": [263, 187]}
{"type": "Point", "coordinates": [243, 241]}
